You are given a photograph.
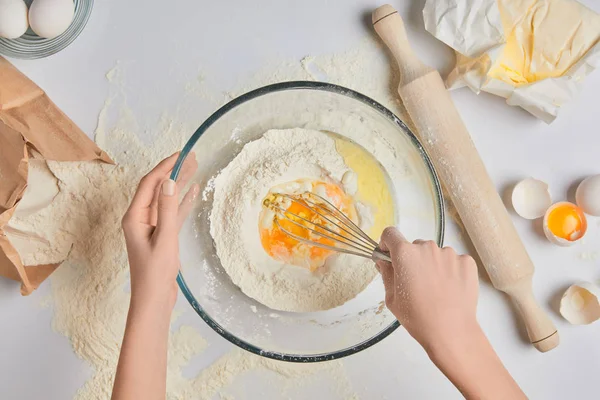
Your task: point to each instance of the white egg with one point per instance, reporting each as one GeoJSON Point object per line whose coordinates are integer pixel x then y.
{"type": "Point", "coordinates": [531, 198]}
{"type": "Point", "coordinates": [50, 18]}
{"type": "Point", "coordinates": [588, 195]}
{"type": "Point", "coordinates": [580, 305]}
{"type": "Point", "coordinates": [13, 18]}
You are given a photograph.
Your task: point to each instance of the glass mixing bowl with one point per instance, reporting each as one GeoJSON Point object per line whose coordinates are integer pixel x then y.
{"type": "Point", "coordinates": [315, 336]}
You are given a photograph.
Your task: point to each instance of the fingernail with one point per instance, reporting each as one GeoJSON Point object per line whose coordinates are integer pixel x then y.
{"type": "Point", "coordinates": [168, 187]}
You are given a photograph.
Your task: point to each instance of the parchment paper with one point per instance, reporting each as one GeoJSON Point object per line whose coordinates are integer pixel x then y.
{"type": "Point", "coordinates": [478, 30]}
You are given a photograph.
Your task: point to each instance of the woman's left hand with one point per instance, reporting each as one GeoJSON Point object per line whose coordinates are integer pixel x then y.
{"type": "Point", "coordinates": [151, 226]}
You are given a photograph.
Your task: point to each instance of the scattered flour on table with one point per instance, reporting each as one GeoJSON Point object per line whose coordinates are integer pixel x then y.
{"type": "Point", "coordinates": [89, 295]}
{"type": "Point", "coordinates": [589, 255]}
{"type": "Point", "coordinates": [290, 379]}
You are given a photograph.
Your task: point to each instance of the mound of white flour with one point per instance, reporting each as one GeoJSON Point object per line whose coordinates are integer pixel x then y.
{"type": "Point", "coordinates": [277, 157]}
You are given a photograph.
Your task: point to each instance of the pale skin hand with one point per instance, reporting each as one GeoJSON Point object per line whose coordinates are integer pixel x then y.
{"type": "Point", "coordinates": [151, 226]}
{"type": "Point", "coordinates": [433, 293]}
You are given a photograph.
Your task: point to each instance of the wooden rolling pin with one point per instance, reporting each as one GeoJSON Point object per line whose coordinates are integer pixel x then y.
{"type": "Point", "coordinates": [448, 143]}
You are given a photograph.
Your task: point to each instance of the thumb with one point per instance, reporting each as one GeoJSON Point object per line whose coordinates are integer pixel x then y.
{"type": "Point", "coordinates": [391, 238]}
{"type": "Point", "coordinates": [168, 207]}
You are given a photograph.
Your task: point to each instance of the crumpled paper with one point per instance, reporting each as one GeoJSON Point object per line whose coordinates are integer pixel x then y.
{"type": "Point", "coordinates": [557, 41]}
{"type": "Point", "coordinates": [30, 123]}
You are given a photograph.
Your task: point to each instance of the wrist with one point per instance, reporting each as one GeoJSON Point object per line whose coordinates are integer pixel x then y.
{"type": "Point", "coordinates": [452, 346]}
{"type": "Point", "coordinates": [157, 303]}
{"type": "Point", "coordinates": [146, 317]}
{"type": "Point", "coordinates": [472, 365]}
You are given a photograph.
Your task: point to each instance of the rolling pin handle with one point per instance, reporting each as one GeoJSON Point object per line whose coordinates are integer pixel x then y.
{"type": "Point", "coordinates": [540, 329]}
{"type": "Point", "coordinates": [389, 26]}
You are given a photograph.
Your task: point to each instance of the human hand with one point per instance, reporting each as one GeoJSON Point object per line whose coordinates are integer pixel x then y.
{"type": "Point", "coordinates": [151, 226]}
{"type": "Point", "coordinates": [432, 291]}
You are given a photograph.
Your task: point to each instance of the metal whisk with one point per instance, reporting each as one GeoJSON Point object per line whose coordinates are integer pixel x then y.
{"type": "Point", "coordinates": [333, 225]}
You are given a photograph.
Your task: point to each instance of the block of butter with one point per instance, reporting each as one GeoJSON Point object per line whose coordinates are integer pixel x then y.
{"type": "Point", "coordinates": [534, 53]}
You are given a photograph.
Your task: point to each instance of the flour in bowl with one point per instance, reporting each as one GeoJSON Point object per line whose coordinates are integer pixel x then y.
{"type": "Point", "coordinates": [281, 156]}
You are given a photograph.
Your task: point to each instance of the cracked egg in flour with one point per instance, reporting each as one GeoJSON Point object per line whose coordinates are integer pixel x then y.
{"type": "Point", "coordinates": [298, 220]}
{"type": "Point", "coordinates": [270, 265]}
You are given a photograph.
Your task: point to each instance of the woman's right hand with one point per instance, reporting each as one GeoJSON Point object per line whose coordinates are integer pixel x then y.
{"type": "Point", "coordinates": [432, 291]}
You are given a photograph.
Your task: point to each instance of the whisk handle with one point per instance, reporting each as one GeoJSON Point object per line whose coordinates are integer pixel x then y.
{"type": "Point", "coordinates": [380, 255]}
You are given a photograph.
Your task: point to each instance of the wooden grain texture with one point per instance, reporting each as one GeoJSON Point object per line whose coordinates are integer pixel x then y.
{"type": "Point", "coordinates": [461, 170]}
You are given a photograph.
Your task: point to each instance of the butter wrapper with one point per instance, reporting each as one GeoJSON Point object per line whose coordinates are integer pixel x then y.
{"type": "Point", "coordinates": [534, 53]}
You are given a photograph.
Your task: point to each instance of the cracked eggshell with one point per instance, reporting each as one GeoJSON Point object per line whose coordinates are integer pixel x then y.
{"type": "Point", "coordinates": [580, 305]}
{"type": "Point", "coordinates": [531, 198]}
{"type": "Point", "coordinates": [588, 195]}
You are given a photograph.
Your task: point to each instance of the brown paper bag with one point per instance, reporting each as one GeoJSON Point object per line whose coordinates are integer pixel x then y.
{"type": "Point", "coordinates": [29, 120]}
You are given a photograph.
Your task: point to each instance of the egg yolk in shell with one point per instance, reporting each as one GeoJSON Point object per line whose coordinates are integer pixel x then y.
{"type": "Point", "coordinates": [280, 245]}
{"type": "Point", "coordinates": [566, 221]}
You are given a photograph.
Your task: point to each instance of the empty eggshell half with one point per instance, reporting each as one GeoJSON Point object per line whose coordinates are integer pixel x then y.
{"type": "Point", "coordinates": [531, 198]}
{"type": "Point", "coordinates": [588, 195]}
{"type": "Point", "coordinates": [580, 305]}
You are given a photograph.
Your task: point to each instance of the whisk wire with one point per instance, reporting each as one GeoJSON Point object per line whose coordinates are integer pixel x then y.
{"type": "Point", "coordinates": [359, 252]}
{"type": "Point", "coordinates": [340, 215]}
{"type": "Point", "coordinates": [338, 228]}
{"type": "Point", "coordinates": [312, 206]}
{"type": "Point", "coordinates": [338, 237]}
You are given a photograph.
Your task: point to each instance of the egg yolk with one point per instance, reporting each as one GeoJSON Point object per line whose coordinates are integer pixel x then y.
{"type": "Point", "coordinates": [566, 222]}
{"type": "Point", "coordinates": [285, 248]}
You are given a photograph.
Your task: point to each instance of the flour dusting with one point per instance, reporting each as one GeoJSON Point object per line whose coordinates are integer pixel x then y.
{"type": "Point", "coordinates": [89, 295]}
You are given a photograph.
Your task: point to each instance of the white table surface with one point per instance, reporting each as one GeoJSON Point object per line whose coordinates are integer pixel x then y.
{"type": "Point", "coordinates": [231, 39]}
